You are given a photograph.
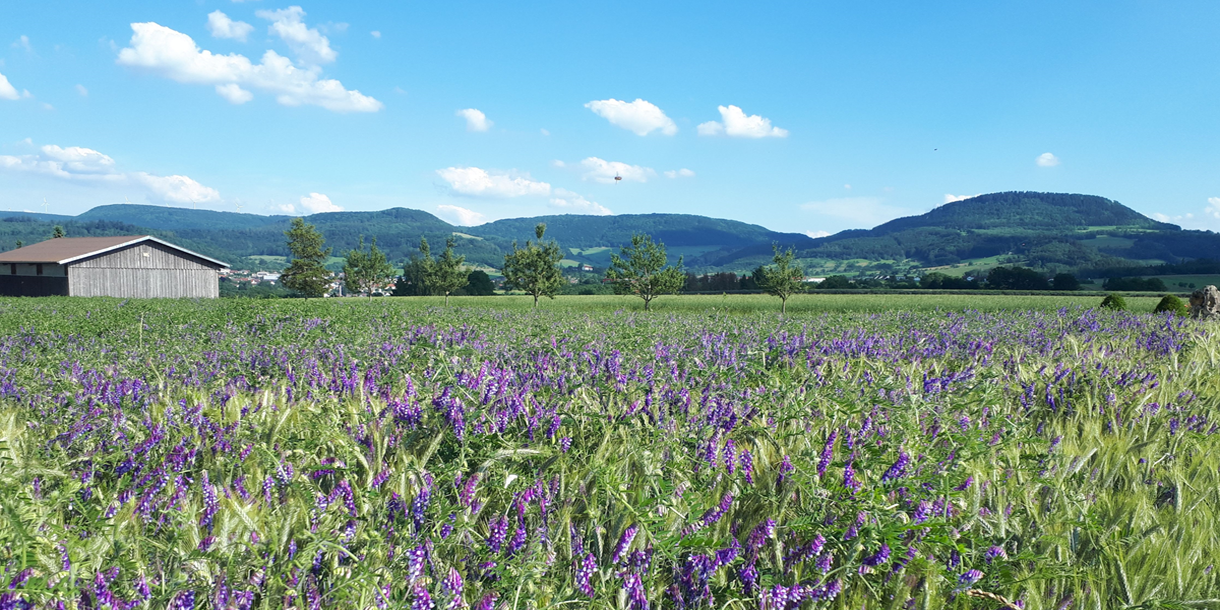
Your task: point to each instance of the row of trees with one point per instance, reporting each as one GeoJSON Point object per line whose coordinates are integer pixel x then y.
{"type": "Point", "coordinates": [640, 269]}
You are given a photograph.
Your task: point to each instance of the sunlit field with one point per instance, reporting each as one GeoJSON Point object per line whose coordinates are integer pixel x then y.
{"type": "Point", "coordinates": [863, 451]}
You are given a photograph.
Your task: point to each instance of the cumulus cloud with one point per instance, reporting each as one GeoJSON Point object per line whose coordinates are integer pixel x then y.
{"type": "Point", "coordinates": [478, 182]}
{"type": "Point", "coordinates": [221, 26]}
{"type": "Point", "coordinates": [856, 212]}
{"type": "Point", "coordinates": [475, 119]}
{"type": "Point", "coordinates": [459, 216]}
{"type": "Point", "coordinates": [817, 234]}
{"type": "Point", "coordinates": [79, 164]}
{"type": "Point", "coordinates": [307, 43]}
{"type": "Point", "coordinates": [680, 173]}
{"type": "Point", "coordinates": [640, 117]}
{"type": "Point", "coordinates": [318, 203]}
{"type": "Point", "coordinates": [175, 55]}
{"type": "Point", "coordinates": [573, 203]}
{"type": "Point", "coordinates": [234, 93]}
{"type": "Point", "coordinates": [1047, 160]}
{"type": "Point", "coordinates": [80, 160]}
{"type": "Point", "coordinates": [951, 198]}
{"type": "Point", "coordinates": [176, 189]}
{"type": "Point", "coordinates": [734, 122]}
{"type": "Point", "coordinates": [9, 92]}
{"type": "Point", "coordinates": [599, 170]}
{"type": "Point", "coordinates": [286, 208]}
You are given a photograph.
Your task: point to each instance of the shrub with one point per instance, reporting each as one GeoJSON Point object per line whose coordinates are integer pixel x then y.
{"type": "Point", "coordinates": [1172, 304]}
{"type": "Point", "coordinates": [1115, 302]}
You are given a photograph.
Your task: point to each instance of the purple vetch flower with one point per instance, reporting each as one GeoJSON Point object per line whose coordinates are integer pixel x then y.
{"type": "Point", "coordinates": [995, 552]}
{"type": "Point", "coordinates": [467, 495]}
{"type": "Point", "coordinates": [183, 600]}
{"type": "Point", "coordinates": [922, 512]}
{"type": "Point", "coordinates": [421, 601]}
{"type": "Point", "coordinates": [902, 562]}
{"type": "Point", "coordinates": [488, 602]}
{"type": "Point", "coordinates": [19, 579]}
{"type": "Point", "coordinates": [898, 469]}
{"type": "Point", "coordinates": [565, 444]}
{"type": "Point", "coordinates": [968, 578]}
{"type": "Point", "coordinates": [965, 484]}
{"type": "Point", "coordinates": [497, 531]}
{"type": "Point", "coordinates": [210, 504]}
{"type": "Point", "coordinates": [825, 561]}
{"type": "Point", "coordinates": [381, 478]}
{"type": "Point", "coordinates": [634, 586]}
{"type": "Point", "coordinates": [584, 574]}
{"type": "Point", "coordinates": [206, 543]}
{"type": "Point", "coordinates": [849, 478]}
{"type": "Point", "coordinates": [785, 468]}
{"type": "Point", "coordinates": [881, 556]}
{"type": "Point", "coordinates": [747, 466]}
{"type": "Point", "coordinates": [624, 542]}
{"type": "Point", "coordinates": [827, 453]}
{"type": "Point", "coordinates": [452, 585]}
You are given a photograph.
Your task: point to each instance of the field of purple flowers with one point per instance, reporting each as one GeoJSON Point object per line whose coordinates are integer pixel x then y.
{"type": "Point", "coordinates": [381, 454]}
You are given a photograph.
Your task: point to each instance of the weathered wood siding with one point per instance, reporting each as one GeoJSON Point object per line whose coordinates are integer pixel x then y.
{"type": "Point", "coordinates": [146, 270]}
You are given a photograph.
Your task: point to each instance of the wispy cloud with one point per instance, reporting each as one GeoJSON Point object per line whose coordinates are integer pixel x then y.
{"type": "Point", "coordinates": [478, 182]}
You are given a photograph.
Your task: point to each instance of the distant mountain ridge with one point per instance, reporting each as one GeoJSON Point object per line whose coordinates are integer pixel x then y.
{"type": "Point", "coordinates": [1045, 230]}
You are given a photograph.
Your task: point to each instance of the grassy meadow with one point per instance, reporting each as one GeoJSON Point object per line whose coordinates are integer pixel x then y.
{"type": "Point", "coordinates": [875, 451]}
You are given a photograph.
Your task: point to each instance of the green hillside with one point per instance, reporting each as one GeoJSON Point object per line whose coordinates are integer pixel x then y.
{"type": "Point", "coordinates": [1050, 231]}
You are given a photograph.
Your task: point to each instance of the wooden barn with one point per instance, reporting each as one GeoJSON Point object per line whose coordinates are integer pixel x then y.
{"type": "Point", "coordinates": [130, 266]}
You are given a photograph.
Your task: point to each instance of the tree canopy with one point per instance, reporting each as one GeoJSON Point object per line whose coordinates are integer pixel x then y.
{"type": "Point", "coordinates": [365, 271]}
{"type": "Point", "coordinates": [639, 269]}
{"type": "Point", "coordinates": [445, 274]}
{"type": "Point", "coordinates": [783, 277]}
{"type": "Point", "coordinates": [534, 269]}
{"type": "Point", "coordinates": [306, 273]}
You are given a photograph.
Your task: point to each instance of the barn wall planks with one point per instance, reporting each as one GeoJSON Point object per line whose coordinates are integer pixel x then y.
{"type": "Point", "coordinates": [146, 270]}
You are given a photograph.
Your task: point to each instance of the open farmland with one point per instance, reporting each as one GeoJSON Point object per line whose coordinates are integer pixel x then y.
{"type": "Point", "coordinates": [388, 453]}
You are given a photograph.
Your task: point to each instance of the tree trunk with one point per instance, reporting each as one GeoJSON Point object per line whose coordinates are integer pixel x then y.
{"type": "Point", "coordinates": [647, 301]}
{"type": "Point", "coordinates": [535, 301]}
{"type": "Point", "coordinates": [783, 306]}
{"type": "Point", "coordinates": [446, 299]}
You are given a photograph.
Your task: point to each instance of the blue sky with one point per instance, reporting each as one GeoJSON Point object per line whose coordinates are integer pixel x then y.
{"type": "Point", "coordinates": [803, 117]}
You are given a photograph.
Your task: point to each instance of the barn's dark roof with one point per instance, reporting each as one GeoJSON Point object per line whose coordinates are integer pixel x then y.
{"type": "Point", "coordinates": [64, 250]}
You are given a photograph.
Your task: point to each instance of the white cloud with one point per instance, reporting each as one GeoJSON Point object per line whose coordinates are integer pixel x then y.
{"type": "Point", "coordinates": [1213, 207]}
{"type": "Point", "coordinates": [79, 164]}
{"type": "Point", "coordinates": [478, 182]}
{"type": "Point", "coordinates": [817, 234]}
{"type": "Point", "coordinates": [80, 160]}
{"type": "Point", "coordinates": [318, 203]}
{"type": "Point", "coordinates": [558, 163]}
{"type": "Point", "coordinates": [82, 90]}
{"type": "Point", "coordinates": [680, 173]}
{"type": "Point", "coordinates": [459, 216]}
{"type": "Point", "coordinates": [23, 42]}
{"type": "Point", "coordinates": [8, 91]}
{"type": "Point", "coordinates": [221, 26]}
{"type": "Point", "coordinates": [951, 198]}
{"type": "Point", "coordinates": [857, 212]}
{"type": "Point", "coordinates": [1047, 160]}
{"type": "Point", "coordinates": [475, 119]}
{"type": "Point", "coordinates": [234, 93]}
{"type": "Point", "coordinates": [375, 34]}
{"type": "Point", "coordinates": [176, 56]}
{"type": "Point", "coordinates": [286, 208]}
{"type": "Point", "coordinates": [545, 132]}
{"type": "Point", "coordinates": [735, 123]}
{"type": "Point", "coordinates": [847, 186]}
{"type": "Point", "coordinates": [572, 203]}
{"type": "Point", "coordinates": [599, 170]}
{"type": "Point", "coordinates": [640, 117]}
{"type": "Point", "coordinates": [178, 189]}
{"type": "Point", "coordinates": [307, 43]}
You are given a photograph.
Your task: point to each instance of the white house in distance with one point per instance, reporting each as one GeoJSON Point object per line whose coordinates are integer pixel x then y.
{"type": "Point", "coordinates": [128, 266]}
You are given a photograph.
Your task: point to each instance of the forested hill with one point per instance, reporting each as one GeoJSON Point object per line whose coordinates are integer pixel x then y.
{"type": "Point", "coordinates": [234, 237]}
{"type": "Point", "coordinates": [1044, 230]}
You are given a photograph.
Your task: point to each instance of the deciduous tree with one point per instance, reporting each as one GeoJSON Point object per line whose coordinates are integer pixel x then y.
{"type": "Point", "coordinates": [640, 269]}
{"type": "Point", "coordinates": [364, 271]}
{"type": "Point", "coordinates": [783, 277]}
{"type": "Point", "coordinates": [534, 268]}
{"type": "Point", "coordinates": [445, 275]}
